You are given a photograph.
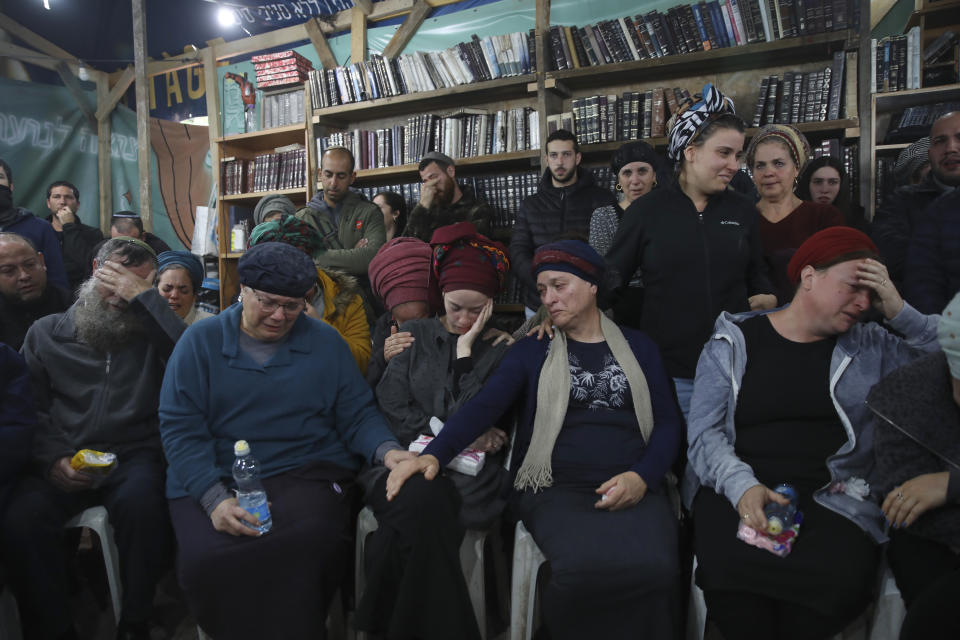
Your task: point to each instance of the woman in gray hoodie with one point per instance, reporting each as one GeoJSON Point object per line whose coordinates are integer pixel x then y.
{"type": "Point", "coordinates": [779, 398]}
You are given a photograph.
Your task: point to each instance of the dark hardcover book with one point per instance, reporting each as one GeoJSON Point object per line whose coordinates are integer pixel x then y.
{"type": "Point", "coordinates": [647, 37]}
{"type": "Point", "coordinates": [646, 24]}
{"type": "Point", "coordinates": [565, 46]}
{"type": "Point", "coordinates": [636, 108]}
{"type": "Point", "coordinates": [718, 23]}
{"type": "Point", "coordinates": [661, 27]}
{"type": "Point", "coordinates": [801, 10]}
{"type": "Point", "coordinates": [601, 44]}
{"type": "Point", "coordinates": [477, 60]}
{"type": "Point", "coordinates": [647, 113]}
{"type": "Point", "coordinates": [617, 39]}
{"type": "Point", "coordinates": [609, 41]}
{"type": "Point", "coordinates": [578, 45]}
{"type": "Point", "coordinates": [674, 26]}
{"type": "Point", "coordinates": [824, 101]}
{"type": "Point", "coordinates": [592, 54]}
{"type": "Point", "coordinates": [707, 17]}
{"type": "Point", "coordinates": [704, 40]}
{"type": "Point", "coordinates": [556, 49]}
{"type": "Point", "coordinates": [761, 102]}
{"type": "Point", "coordinates": [798, 84]}
{"type": "Point", "coordinates": [773, 93]}
{"type": "Point", "coordinates": [837, 73]}
{"type": "Point", "coordinates": [901, 53]}
{"type": "Point", "coordinates": [642, 48]}
{"type": "Point", "coordinates": [532, 50]}
{"type": "Point", "coordinates": [659, 117]}
{"type": "Point", "coordinates": [749, 30]}
{"type": "Point", "coordinates": [402, 85]}
{"type": "Point", "coordinates": [688, 25]}
{"type": "Point", "coordinates": [787, 19]}
{"type": "Point", "coordinates": [827, 12]}
{"type": "Point", "coordinates": [602, 119]}
{"type": "Point", "coordinates": [623, 35]}
{"type": "Point", "coordinates": [752, 8]}
{"type": "Point", "coordinates": [786, 98]}
{"type": "Point", "coordinates": [806, 96]}
{"type": "Point", "coordinates": [772, 9]}
{"type": "Point", "coordinates": [841, 15]}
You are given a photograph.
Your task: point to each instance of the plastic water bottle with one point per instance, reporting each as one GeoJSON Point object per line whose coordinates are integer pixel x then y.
{"type": "Point", "coordinates": [250, 493]}
{"type": "Point", "coordinates": [779, 516]}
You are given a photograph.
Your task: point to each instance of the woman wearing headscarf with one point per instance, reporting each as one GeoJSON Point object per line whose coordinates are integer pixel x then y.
{"type": "Point", "coordinates": [695, 241]}
{"type": "Point", "coordinates": [272, 207]}
{"type": "Point", "coordinates": [335, 299]}
{"type": "Point", "coordinates": [918, 460]}
{"type": "Point", "coordinates": [780, 399]}
{"type": "Point", "coordinates": [445, 366]}
{"type": "Point", "coordinates": [179, 276]}
{"type": "Point", "coordinates": [400, 279]}
{"type": "Point", "coordinates": [776, 156]}
{"type": "Point", "coordinates": [597, 432]}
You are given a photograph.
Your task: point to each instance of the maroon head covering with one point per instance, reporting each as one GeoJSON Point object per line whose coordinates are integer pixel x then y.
{"type": "Point", "coordinates": [465, 259]}
{"type": "Point", "coordinates": [400, 272]}
{"type": "Point", "coordinates": [826, 246]}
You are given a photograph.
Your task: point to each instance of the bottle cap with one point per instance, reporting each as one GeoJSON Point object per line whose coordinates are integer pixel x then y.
{"type": "Point", "coordinates": [241, 448]}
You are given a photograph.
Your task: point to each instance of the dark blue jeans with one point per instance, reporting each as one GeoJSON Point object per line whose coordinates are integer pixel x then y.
{"type": "Point", "coordinates": [33, 540]}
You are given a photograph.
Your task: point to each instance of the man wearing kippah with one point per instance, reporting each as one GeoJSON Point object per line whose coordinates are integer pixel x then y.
{"type": "Point", "coordinates": [899, 214]}
{"type": "Point", "coordinates": [128, 223]}
{"type": "Point", "coordinates": [265, 372]}
{"type": "Point", "coordinates": [95, 371]}
{"type": "Point", "coordinates": [443, 201]}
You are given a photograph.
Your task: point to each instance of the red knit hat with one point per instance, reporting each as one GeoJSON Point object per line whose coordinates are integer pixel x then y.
{"type": "Point", "coordinates": [465, 259]}
{"type": "Point", "coordinates": [826, 246]}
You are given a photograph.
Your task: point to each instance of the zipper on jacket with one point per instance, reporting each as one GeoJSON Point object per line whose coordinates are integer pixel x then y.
{"type": "Point", "coordinates": [108, 363]}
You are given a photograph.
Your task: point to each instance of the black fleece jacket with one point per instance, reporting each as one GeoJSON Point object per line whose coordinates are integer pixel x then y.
{"type": "Point", "coordinates": [547, 214]}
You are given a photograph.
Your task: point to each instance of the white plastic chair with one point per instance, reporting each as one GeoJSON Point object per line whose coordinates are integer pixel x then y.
{"type": "Point", "coordinates": [471, 561]}
{"type": "Point", "coordinates": [527, 560]}
{"type": "Point", "coordinates": [97, 520]}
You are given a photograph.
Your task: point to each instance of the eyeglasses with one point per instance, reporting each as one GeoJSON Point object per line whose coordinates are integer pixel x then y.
{"type": "Point", "coordinates": [269, 307]}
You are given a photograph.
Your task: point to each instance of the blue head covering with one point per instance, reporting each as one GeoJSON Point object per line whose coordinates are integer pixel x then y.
{"type": "Point", "coordinates": [183, 259]}
{"type": "Point", "coordinates": [570, 256]}
{"type": "Point", "coordinates": [277, 268]}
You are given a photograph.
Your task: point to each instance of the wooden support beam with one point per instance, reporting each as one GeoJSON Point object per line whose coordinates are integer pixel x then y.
{"type": "Point", "coordinates": [37, 42]}
{"type": "Point", "coordinates": [879, 10]}
{"type": "Point", "coordinates": [364, 5]}
{"type": "Point", "coordinates": [546, 102]}
{"type": "Point", "coordinates": [261, 41]}
{"type": "Point", "coordinates": [407, 30]}
{"type": "Point", "coordinates": [72, 83]}
{"type": "Point", "coordinates": [104, 152]}
{"type": "Point", "coordinates": [358, 36]}
{"type": "Point", "coordinates": [10, 50]}
{"type": "Point", "coordinates": [183, 61]}
{"type": "Point", "coordinates": [105, 107]}
{"type": "Point", "coordinates": [320, 44]}
{"type": "Point", "coordinates": [143, 111]}
{"type": "Point", "coordinates": [213, 105]}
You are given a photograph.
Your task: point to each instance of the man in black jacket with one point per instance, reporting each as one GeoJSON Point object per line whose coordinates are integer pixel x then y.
{"type": "Point", "coordinates": [77, 240]}
{"type": "Point", "coordinates": [896, 219]}
{"type": "Point", "coordinates": [564, 204]}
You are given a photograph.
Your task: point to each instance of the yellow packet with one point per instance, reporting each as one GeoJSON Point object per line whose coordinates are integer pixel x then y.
{"type": "Point", "coordinates": [97, 462]}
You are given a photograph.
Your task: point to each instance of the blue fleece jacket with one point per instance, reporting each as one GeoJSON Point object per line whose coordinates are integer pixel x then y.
{"type": "Point", "coordinates": [517, 378]}
{"type": "Point", "coordinates": [861, 358]}
{"type": "Point", "coordinates": [44, 238]}
{"type": "Point", "coordinates": [308, 403]}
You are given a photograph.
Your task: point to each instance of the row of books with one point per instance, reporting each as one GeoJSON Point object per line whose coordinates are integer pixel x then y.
{"type": "Point", "coordinates": [465, 135]}
{"type": "Point", "coordinates": [702, 26]}
{"type": "Point", "coordinates": [633, 115]}
{"type": "Point", "coordinates": [896, 62]}
{"type": "Point", "coordinates": [286, 168]}
{"type": "Point", "coordinates": [914, 122]}
{"type": "Point", "coordinates": [802, 97]}
{"type": "Point", "coordinates": [283, 108]}
{"type": "Point", "coordinates": [478, 60]}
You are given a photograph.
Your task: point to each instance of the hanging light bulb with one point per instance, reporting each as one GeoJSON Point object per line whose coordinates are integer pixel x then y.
{"type": "Point", "coordinates": [226, 17]}
{"type": "Point", "coordinates": [82, 72]}
{"type": "Point", "coordinates": [46, 4]}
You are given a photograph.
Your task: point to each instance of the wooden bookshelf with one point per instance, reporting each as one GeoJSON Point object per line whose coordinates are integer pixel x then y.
{"type": "Point", "coordinates": [514, 160]}
{"type": "Point", "coordinates": [297, 195]}
{"type": "Point", "coordinates": [265, 140]}
{"type": "Point", "coordinates": [727, 59]}
{"type": "Point", "coordinates": [421, 102]}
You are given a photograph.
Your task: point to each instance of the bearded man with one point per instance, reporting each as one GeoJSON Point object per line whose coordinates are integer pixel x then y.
{"type": "Point", "coordinates": [443, 201]}
{"type": "Point", "coordinates": [95, 371]}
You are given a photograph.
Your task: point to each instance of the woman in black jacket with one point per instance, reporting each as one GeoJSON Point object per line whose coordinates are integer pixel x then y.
{"type": "Point", "coordinates": [695, 241]}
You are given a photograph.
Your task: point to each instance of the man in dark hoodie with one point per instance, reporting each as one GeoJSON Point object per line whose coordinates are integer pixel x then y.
{"type": "Point", "coordinates": [78, 242]}
{"type": "Point", "coordinates": [564, 204]}
{"type": "Point", "coordinates": [24, 223]}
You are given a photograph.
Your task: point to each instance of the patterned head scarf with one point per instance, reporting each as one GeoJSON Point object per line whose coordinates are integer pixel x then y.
{"type": "Point", "coordinates": [689, 122]}
{"type": "Point", "coordinates": [289, 230]}
{"type": "Point", "coordinates": [948, 332]}
{"type": "Point", "coordinates": [183, 259]}
{"type": "Point", "coordinates": [795, 142]}
{"type": "Point", "coordinates": [465, 259]}
{"type": "Point", "coordinates": [911, 159]}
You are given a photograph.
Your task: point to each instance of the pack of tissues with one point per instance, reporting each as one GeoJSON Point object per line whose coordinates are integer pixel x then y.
{"type": "Point", "coordinates": [468, 461]}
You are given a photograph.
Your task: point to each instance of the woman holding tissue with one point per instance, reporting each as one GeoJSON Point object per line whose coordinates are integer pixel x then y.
{"type": "Point", "coordinates": [779, 398]}
{"type": "Point", "coordinates": [597, 432]}
{"type": "Point", "coordinates": [445, 366]}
